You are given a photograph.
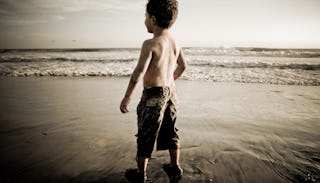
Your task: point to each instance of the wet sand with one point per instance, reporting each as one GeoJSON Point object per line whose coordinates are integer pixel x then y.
{"type": "Point", "coordinates": [64, 129]}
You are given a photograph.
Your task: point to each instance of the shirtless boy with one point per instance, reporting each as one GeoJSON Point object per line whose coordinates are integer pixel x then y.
{"type": "Point", "coordinates": [161, 62]}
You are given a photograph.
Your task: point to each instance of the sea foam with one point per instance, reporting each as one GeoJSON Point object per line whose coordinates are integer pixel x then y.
{"type": "Point", "coordinates": [249, 65]}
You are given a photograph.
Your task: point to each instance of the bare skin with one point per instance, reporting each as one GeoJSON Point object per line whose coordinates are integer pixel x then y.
{"type": "Point", "coordinates": [161, 62]}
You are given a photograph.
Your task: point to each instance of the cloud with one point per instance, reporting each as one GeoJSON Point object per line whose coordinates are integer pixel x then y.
{"type": "Point", "coordinates": [29, 6]}
{"type": "Point", "coordinates": [23, 12]}
{"type": "Point", "coordinates": [108, 5]}
{"type": "Point", "coordinates": [19, 21]}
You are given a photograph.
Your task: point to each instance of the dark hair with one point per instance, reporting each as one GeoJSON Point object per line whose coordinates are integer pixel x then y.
{"type": "Point", "coordinates": [165, 11]}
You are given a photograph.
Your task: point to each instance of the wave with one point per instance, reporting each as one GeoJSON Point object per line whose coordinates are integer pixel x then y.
{"type": "Point", "coordinates": [232, 51]}
{"type": "Point", "coordinates": [196, 63]}
{"type": "Point", "coordinates": [59, 50]}
{"type": "Point", "coordinates": [65, 59]}
{"type": "Point", "coordinates": [58, 68]}
{"type": "Point", "coordinates": [244, 65]}
{"type": "Point", "coordinates": [72, 55]}
{"type": "Point", "coordinates": [249, 65]}
{"type": "Point", "coordinates": [306, 76]}
{"type": "Point", "coordinates": [259, 52]}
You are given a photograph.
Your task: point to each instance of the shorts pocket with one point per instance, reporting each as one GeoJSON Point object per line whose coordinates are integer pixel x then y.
{"type": "Point", "coordinates": [155, 101]}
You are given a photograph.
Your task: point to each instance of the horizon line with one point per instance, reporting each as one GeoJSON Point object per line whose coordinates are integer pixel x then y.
{"type": "Point", "coordinates": [185, 47]}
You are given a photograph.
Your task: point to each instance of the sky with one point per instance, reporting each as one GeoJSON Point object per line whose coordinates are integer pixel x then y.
{"type": "Point", "coordinates": [120, 23]}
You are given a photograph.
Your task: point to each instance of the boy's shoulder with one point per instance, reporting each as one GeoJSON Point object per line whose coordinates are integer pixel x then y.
{"type": "Point", "coordinates": [150, 42]}
{"type": "Point", "coordinates": [155, 43]}
{"type": "Point", "coordinates": [150, 45]}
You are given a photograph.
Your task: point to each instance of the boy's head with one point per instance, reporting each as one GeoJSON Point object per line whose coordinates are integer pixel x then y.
{"type": "Point", "coordinates": [164, 11]}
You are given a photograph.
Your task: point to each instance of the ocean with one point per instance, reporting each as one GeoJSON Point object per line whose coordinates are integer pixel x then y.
{"type": "Point", "coordinates": [218, 64]}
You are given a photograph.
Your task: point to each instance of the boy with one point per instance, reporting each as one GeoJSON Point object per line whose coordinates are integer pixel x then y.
{"type": "Point", "coordinates": [161, 62]}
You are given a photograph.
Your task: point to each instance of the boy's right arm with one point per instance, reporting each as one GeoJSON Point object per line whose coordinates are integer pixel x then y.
{"type": "Point", "coordinates": [182, 64]}
{"type": "Point", "coordinates": [143, 63]}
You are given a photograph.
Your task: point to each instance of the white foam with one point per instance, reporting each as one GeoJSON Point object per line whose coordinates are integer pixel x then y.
{"type": "Point", "coordinates": [209, 64]}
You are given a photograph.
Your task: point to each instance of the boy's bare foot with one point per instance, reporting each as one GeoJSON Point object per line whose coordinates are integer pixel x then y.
{"type": "Point", "coordinates": [173, 171]}
{"type": "Point", "coordinates": [134, 176]}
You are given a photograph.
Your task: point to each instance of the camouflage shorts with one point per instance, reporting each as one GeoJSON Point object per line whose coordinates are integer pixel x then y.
{"type": "Point", "coordinates": [157, 114]}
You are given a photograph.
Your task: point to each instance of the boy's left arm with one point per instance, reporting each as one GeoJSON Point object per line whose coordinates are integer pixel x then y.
{"type": "Point", "coordinates": [143, 63]}
{"type": "Point", "coordinates": [182, 64]}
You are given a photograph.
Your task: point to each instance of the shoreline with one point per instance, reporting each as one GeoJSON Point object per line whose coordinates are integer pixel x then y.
{"type": "Point", "coordinates": [107, 77]}
{"type": "Point", "coordinates": [69, 129]}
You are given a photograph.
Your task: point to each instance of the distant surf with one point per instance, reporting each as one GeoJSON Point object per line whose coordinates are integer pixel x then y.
{"type": "Point", "coordinates": [249, 65]}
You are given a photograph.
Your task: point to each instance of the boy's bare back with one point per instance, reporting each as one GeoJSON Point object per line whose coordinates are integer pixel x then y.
{"type": "Point", "coordinates": [164, 55]}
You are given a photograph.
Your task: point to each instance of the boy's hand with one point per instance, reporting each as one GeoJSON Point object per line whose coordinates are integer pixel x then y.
{"type": "Point", "coordinates": [124, 104]}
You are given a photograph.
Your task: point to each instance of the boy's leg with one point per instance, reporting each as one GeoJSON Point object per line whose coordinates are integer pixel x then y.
{"type": "Point", "coordinates": [138, 175]}
{"type": "Point", "coordinates": [168, 138]}
{"type": "Point", "coordinates": [173, 170]}
{"type": "Point", "coordinates": [142, 164]}
{"type": "Point", "coordinates": [174, 156]}
{"type": "Point", "coordinates": [150, 115]}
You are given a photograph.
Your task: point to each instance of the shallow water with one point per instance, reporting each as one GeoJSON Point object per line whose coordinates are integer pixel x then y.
{"type": "Point", "coordinates": [248, 65]}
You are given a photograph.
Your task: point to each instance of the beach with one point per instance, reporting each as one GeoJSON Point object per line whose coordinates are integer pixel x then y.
{"type": "Point", "coordinates": [70, 129]}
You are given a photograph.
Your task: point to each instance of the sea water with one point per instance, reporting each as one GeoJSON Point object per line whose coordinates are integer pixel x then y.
{"type": "Point", "coordinates": [219, 64]}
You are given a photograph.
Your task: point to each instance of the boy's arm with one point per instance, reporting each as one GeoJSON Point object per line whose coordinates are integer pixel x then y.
{"type": "Point", "coordinates": [143, 63]}
{"type": "Point", "coordinates": [182, 64]}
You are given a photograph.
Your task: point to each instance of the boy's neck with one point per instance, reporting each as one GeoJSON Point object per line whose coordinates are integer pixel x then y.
{"type": "Point", "coordinates": [159, 31]}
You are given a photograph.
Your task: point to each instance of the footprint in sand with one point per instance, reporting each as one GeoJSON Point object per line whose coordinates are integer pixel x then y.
{"type": "Point", "coordinates": [276, 91]}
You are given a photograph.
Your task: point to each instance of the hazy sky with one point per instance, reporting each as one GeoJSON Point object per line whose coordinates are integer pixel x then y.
{"type": "Point", "coordinates": [120, 23]}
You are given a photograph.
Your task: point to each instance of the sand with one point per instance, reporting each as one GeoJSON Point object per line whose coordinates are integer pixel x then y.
{"type": "Point", "coordinates": [64, 129]}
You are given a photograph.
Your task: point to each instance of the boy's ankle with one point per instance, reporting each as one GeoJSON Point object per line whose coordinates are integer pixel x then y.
{"type": "Point", "coordinates": [133, 175]}
{"type": "Point", "coordinates": [139, 171]}
{"type": "Point", "coordinates": [175, 164]}
{"type": "Point", "coordinates": [173, 170]}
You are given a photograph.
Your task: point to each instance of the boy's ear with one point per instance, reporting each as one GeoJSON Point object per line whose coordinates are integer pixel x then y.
{"type": "Point", "coordinates": [153, 20]}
